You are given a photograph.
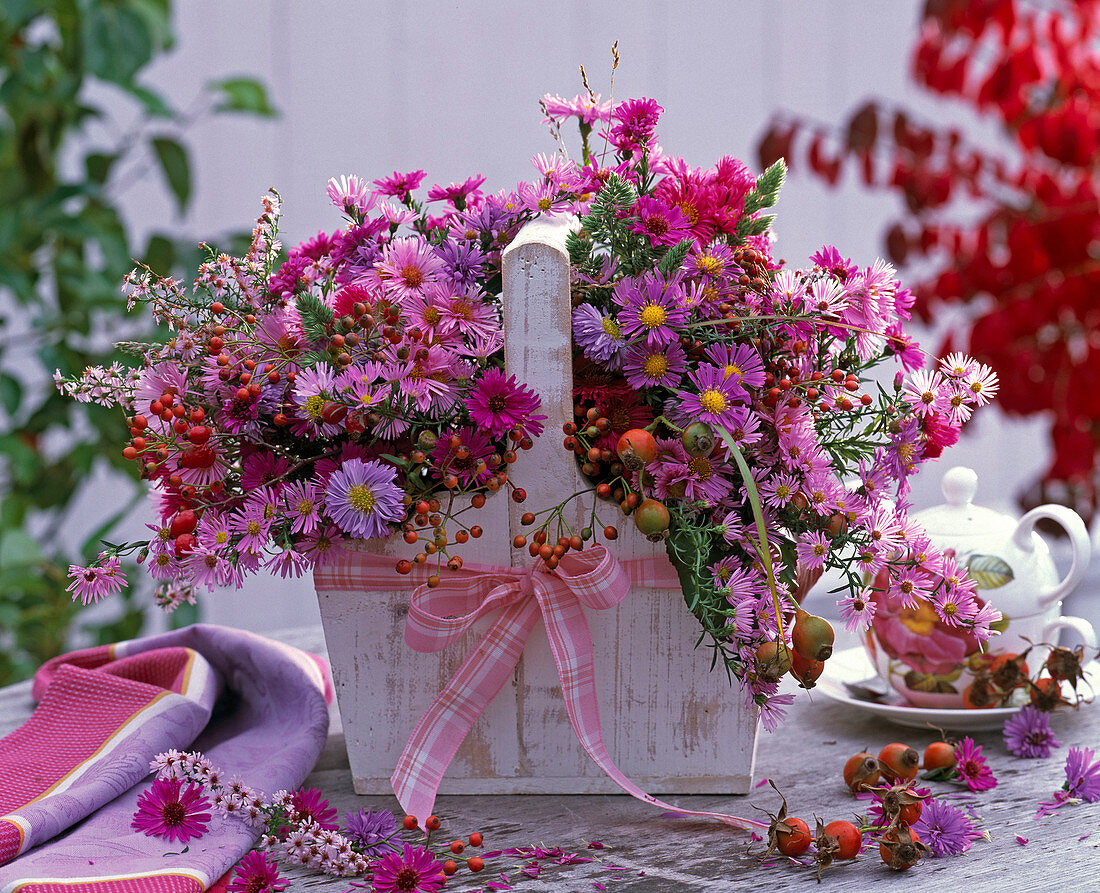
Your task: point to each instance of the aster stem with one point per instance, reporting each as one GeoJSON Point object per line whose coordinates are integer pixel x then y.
{"type": "Point", "coordinates": [761, 527]}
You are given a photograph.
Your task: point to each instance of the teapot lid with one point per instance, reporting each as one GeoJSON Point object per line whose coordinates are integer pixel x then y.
{"type": "Point", "coordinates": [959, 516]}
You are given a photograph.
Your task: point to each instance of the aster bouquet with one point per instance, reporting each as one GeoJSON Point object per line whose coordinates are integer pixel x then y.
{"type": "Point", "coordinates": [354, 389]}
{"type": "Point", "coordinates": [738, 408]}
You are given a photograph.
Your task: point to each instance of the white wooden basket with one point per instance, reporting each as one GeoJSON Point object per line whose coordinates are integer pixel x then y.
{"type": "Point", "coordinates": [671, 724]}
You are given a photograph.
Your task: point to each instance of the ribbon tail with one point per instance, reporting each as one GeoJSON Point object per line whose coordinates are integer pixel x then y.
{"type": "Point", "coordinates": [571, 645]}
{"type": "Point", "coordinates": [444, 725]}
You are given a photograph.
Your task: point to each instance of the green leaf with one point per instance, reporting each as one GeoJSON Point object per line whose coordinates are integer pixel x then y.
{"type": "Point", "coordinates": [11, 393]}
{"type": "Point", "coordinates": [117, 41]}
{"type": "Point", "coordinates": [177, 169]}
{"type": "Point", "coordinates": [98, 165]}
{"type": "Point", "coordinates": [152, 103]}
{"type": "Point", "coordinates": [242, 95]}
{"type": "Point", "coordinates": [18, 549]}
{"type": "Point", "coordinates": [989, 571]}
{"type": "Point", "coordinates": [674, 257]}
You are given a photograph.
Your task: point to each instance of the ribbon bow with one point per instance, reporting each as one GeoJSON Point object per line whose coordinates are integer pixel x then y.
{"type": "Point", "coordinates": [441, 615]}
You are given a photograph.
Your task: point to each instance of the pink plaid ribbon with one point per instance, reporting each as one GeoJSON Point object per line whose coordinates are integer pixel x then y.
{"type": "Point", "coordinates": [438, 617]}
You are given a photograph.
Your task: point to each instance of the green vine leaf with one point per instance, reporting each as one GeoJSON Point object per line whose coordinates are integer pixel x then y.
{"type": "Point", "coordinates": [989, 571]}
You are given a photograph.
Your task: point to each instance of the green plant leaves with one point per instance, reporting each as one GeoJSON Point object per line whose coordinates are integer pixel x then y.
{"type": "Point", "coordinates": [117, 41]}
{"type": "Point", "coordinates": [989, 571]}
{"type": "Point", "coordinates": [242, 95]}
{"type": "Point", "coordinates": [176, 167]}
{"type": "Point", "coordinates": [11, 393]}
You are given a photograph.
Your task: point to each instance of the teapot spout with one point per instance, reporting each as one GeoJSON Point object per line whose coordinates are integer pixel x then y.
{"type": "Point", "coordinates": [1024, 538]}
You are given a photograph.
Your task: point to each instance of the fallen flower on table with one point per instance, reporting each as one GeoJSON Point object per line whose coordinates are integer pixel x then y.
{"type": "Point", "coordinates": [256, 875]}
{"type": "Point", "coordinates": [971, 767]}
{"type": "Point", "coordinates": [1082, 782]}
{"type": "Point", "coordinates": [172, 812]}
{"type": "Point", "coordinates": [945, 829]}
{"type": "Point", "coordinates": [1028, 734]}
{"type": "Point", "coordinates": [415, 870]}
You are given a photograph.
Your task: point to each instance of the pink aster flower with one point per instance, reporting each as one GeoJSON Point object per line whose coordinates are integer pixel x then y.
{"type": "Point", "coordinates": [812, 549]}
{"type": "Point", "coordinates": [635, 123]}
{"type": "Point", "coordinates": [857, 610]}
{"type": "Point", "coordinates": [363, 499]}
{"type": "Point", "coordinates": [256, 875]}
{"type": "Point", "coordinates": [407, 266]}
{"type": "Point", "coordinates": [303, 503]}
{"type": "Point", "coordinates": [288, 563]}
{"type": "Point", "coordinates": [706, 478]}
{"type": "Point", "coordinates": [982, 383]}
{"type": "Point", "coordinates": [400, 185]}
{"type": "Point", "coordinates": [250, 525]}
{"type": "Point", "coordinates": [497, 404]}
{"type": "Point", "coordinates": [1028, 734]}
{"type": "Point", "coordinates": [926, 392]}
{"type": "Point", "coordinates": [101, 579]}
{"type": "Point", "coordinates": [457, 193]}
{"type": "Point", "coordinates": [717, 400]}
{"type": "Point", "coordinates": [351, 195]}
{"type": "Point", "coordinates": [543, 198]}
{"type": "Point", "coordinates": [585, 107]}
{"type": "Point", "coordinates": [971, 768]}
{"type": "Point", "coordinates": [172, 812]}
{"type": "Point", "coordinates": [415, 870]}
{"type": "Point", "coordinates": [660, 223]}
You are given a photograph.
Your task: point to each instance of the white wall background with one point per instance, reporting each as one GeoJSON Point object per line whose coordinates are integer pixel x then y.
{"type": "Point", "coordinates": [452, 87]}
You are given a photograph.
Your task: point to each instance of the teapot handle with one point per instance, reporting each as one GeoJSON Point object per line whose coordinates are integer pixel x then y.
{"type": "Point", "coordinates": [1078, 624]}
{"type": "Point", "coordinates": [1078, 537]}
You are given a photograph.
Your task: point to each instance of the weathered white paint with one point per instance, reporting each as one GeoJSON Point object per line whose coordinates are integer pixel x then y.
{"type": "Point", "coordinates": [671, 724]}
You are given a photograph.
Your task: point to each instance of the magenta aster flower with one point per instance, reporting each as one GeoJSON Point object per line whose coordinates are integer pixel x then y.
{"type": "Point", "coordinates": [717, 400]}
{"type": "Point", "coordinates": [970, 766]}
{"type": "Point", "coordinates": [462, 458]}
{"type": "Point", "coordinates": [303, 500]}
{"type": "Point", "coordinates": [415, 870]}
{"type": "Point", "coordinates": [256, 875]}
{"type": "Point", "coordinates": [857, 611]}
{"type": "Point", "coordinates": [660, 223]}
{"type": "Point", "coordinates": [457, 193]}
{"type": "Point", "coordinates": [740, 362]}
{"type": "Point", "coordinates": [498, 404]}
{"type": "Point", "coordinates": [172, 812]}
{"type": "Point", "coordinates": [651, 307]}
{"type": "Point", "coordinates": [636, 121]}
{"type": "Point", "coordinates": [1028, 734]}
{"type": "Point", "coordinates": [707, 478]}
{"type": "Point", "coordinates": [945, 829]}
{"type": "Point", "coordinates": [363, 499]}
{"type": "Point", "coordinates": [309, 804]}
{"type": "Point", "coordinates": [400, 185]}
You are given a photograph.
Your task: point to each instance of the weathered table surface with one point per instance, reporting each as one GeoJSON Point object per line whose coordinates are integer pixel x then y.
{"type": "Point", "coordinates": [804, 758]}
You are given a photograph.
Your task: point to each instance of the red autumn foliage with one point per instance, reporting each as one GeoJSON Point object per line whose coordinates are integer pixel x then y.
{"type": "Point", "coordinates": [1028, 266]}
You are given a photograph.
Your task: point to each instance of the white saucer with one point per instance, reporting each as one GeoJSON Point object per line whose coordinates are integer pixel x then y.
{"type": "Point", "coordinates": [854, 666]}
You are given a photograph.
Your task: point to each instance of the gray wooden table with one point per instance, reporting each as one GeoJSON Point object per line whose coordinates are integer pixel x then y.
{"type": "Point", "coordinates": [804, 758]}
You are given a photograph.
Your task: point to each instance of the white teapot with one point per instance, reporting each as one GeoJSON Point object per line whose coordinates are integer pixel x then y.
{"type": "Point", "coordinates": [931, 664]}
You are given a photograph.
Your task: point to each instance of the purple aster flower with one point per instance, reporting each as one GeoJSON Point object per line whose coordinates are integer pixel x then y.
{"type": "Point", "coordinates": [400, 185]}
{"type": "Point", "coordinates": [172, 812]}
{"type": "Point", "coordinates": [1028, 734]}
{"type": "Point", "coordinates": [945, 829]}
{"type": "Point", "coordinates": [498, 404]}
{"type": "Point", "coordinates": [970, 766]}
{"type": "Point", "coordinates": [651, 307]}
{"type": "Point", "coordinates": [647, 366]}
{"type": "Point", "coordinates": [660, 223]}
{"type": "Point", "coordinates": [303, 505]}
{"type": "Point", "coordinates": [740, 362]}
{"type": "Point", "coordinates": [256, 875]}
{"type": "Point", "coordinates": [371, 829]}
{"type": "Point", "coordinates": [363, 500]}
{"type": "Point", "coordinates": [717, 400]}
{"type": "Point", "coordinates": [415, 870]}
{"type": "Point", "coordinates": [857, 611]}
{"type": "Point", "coordinates": [598, 334]}
{"type": "Point", "coordinates": [1082, 774]}
{"type": "Point", "coordinates": [462, 262]}
{"type": "Point", "coordinates": [707, 478]}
